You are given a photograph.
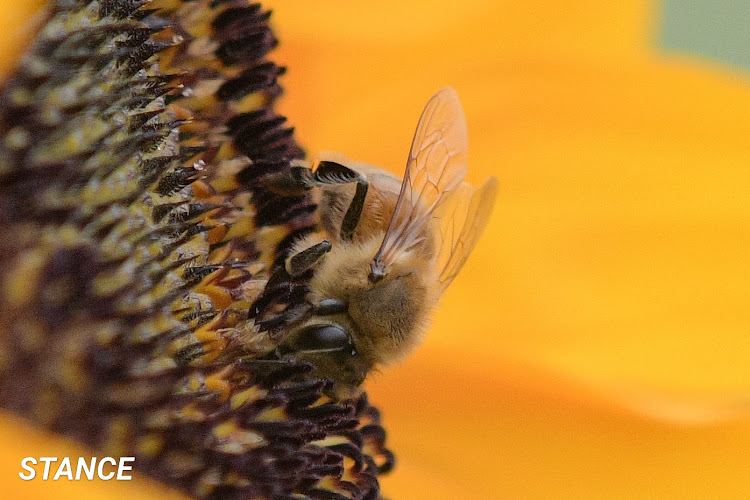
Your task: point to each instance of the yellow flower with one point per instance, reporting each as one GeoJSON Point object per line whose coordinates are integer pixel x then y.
{"type": "Point", "coordinates": [134, 312]}
{"type": "Point", "coordinates": [596, 343]}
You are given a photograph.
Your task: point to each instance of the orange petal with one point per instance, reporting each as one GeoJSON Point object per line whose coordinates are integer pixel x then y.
{"type": "Point", "coordinates": [596, 343]}
{"type": "Point", "coordinates": [616, 252]}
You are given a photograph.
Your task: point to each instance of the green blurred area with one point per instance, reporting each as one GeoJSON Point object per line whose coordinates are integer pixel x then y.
{"type": "Point", "coordinates": [717, 29]}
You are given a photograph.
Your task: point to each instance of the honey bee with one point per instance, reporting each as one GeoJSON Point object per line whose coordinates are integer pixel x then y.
{"type": "Point", "coordinates": [388, 248]}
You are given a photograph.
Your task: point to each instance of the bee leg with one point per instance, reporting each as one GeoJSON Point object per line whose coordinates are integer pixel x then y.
{"type": "Point", "coordinates": [294, 181]}
{"type": "Point", "coordinates": [298, 179]}
{"type": "Point", "coordinates": [291, 316]}
{"type": "Point", "coordinates": [329, 172]}
{"type": "Point", "coordinates": [353, 213]}
{"type": "Point", "coordinates": [300, 262]}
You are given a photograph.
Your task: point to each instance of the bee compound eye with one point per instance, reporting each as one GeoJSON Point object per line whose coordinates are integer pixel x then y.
{"type": "Point", "coordinates": [324, 338]}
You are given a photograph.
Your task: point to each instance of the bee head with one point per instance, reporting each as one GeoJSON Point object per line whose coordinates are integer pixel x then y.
{"type": "Point", "coordinates": [329, 347]}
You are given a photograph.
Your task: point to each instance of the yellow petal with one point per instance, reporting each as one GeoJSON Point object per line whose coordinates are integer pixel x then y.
{"type": "Point", "coordinates": [21, 440]}
{"type": "Point", "coordinates": [18, 24]}
{"type": "Point", "coordinates": [616, 252]}
{"type": "Point", "coordinates": [596, 343]}
{"type": "Point", "coordinates": [512, 431]}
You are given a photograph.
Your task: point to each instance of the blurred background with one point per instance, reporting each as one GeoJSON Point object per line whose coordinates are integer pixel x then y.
{"type": "Point", "coordinates": [597, 342]}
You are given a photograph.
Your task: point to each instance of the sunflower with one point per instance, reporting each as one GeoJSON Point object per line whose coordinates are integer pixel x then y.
{"type": "Point", "coordinates": [596, 344]}
{"type": "Point", "coordinates": [143, 281]}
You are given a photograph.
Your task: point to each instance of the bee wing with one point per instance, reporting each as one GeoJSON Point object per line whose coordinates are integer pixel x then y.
{"type": "Point", "coordinates": [435, 168]}
{"type": "Point", "coordinates": [462, 220]}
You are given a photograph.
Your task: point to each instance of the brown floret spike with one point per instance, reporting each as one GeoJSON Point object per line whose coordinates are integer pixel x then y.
{"type": "Point", "coordinates": [138, 313]}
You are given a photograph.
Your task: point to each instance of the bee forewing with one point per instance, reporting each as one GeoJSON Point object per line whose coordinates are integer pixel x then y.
{"type": "Point", "coordinates": [435, 168]}
{"type": "Point", "coordinates": [462, 220]}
